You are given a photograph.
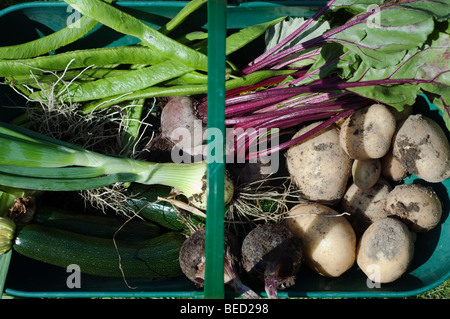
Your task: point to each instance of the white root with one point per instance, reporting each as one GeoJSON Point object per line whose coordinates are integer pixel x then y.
{"type": "Point", "coordinates": [102, 131]}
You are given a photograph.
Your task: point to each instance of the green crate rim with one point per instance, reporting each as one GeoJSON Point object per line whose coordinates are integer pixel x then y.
{"type": "Point", "coordinates": [216, 290]}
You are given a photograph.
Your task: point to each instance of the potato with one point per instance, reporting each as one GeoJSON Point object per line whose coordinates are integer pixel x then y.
{"type": "Point", "coordinates": [366, 172]}
{"type": "Point", "coordinates": [366, 206]}
{"type": "Point", "coordinates": [385, 250]}
{"type": "Point", "coordinates": [318, 165]}
{"type": "Point", "coordinates": [421, 146]}
{"type": "Point", "coordinates": [328, 240]}
{"type": "Point", "coordinates": [368, 132]}
{"type": "Point", "coordinates": [418, 206]}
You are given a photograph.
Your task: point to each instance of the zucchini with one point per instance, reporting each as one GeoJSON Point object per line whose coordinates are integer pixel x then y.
{"type": "Point", "coordinates": [143, 200]}
{"type": "Point", "coordinates": [96, 225]}
{"type": "Point", "coordinates": [153, 258]}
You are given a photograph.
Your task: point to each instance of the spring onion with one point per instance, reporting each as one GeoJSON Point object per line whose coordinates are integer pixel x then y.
{"type": "Point", "coordinates": [33, 161]}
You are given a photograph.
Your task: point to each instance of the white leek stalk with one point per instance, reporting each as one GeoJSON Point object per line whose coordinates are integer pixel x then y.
{"type": "Point", "coordinates": [29, 160]}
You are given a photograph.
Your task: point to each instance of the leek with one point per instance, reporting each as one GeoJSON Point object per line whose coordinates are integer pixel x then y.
{"type": "Point", "coordinates": [33, 161]}
{"type": "Point", "coordinates": [7, 228]}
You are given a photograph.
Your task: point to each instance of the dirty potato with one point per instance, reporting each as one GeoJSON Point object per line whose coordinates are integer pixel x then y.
{"type": "Point", "coordinates": [368, 132]}
{"type": "Point", "coordinates": [417, 205]}
{"type": "Point", "coordinates": [385, 250]}
{"type": "Point", "coordinates": [366, 206]}
{"type": "Point", "coordinates": [318, 166]}
{"type": "Point", "coordinates": [423, 149]}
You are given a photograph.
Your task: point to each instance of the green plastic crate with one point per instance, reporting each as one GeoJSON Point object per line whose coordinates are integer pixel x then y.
{"type": "Point", "coordinates": [29, 278]}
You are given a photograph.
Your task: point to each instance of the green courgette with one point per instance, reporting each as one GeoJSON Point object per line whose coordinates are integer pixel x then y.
{"type": "Point", "coordinates": [153, 258]}
{"type": "Point", "coordinates": [96, 225]}
{"type": "Point", "coordinates": [144, 201]}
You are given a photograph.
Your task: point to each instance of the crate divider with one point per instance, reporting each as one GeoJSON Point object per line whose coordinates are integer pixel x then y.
{"type": "Point", "coordinates": [214, 250]}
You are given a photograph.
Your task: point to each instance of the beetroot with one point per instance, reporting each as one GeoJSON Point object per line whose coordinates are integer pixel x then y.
{"type": "Point", "coordinates": [272, 254]}
{"type": "Point", "coordinates": [192, 262]}
{"type": "Point", "coordinates": [181, 126]}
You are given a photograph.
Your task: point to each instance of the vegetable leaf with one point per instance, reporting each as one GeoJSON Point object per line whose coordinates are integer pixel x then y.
{"type": "Point", "coordinates": [426, 69]}
{"type": "Point", "coordinates": [325, 63]}
{"type": "Point", "coordinates": [439, 8]}
{"type": "Point", "coordinates": [392, 32]}
{"type": "Point", "coordinates": [354, 6]}
{"type": "Point", "coordinates": [281, 30]}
